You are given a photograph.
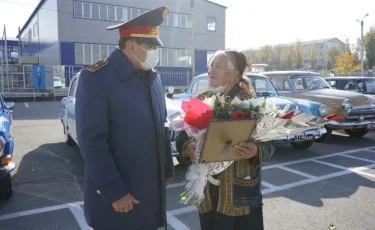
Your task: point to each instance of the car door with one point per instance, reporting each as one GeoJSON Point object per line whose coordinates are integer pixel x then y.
{"type": "Point", "coordinates": [71, 108]}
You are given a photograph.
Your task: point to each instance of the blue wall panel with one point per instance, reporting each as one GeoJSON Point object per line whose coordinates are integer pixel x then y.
{"type": "Point", "coordinates": [200, 61]}
{"type": "Point", "coordinates": [67, 53]}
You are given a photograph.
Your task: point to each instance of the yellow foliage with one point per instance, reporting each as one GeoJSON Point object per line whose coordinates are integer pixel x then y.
{"type": "Point", "coordinates": [345, 63]}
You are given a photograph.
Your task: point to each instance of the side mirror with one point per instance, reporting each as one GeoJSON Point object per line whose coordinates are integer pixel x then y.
{"type": "Point", "coordinates": [9, 105]}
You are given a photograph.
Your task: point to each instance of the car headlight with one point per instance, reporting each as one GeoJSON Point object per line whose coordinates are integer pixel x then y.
{"type": "Point", "coordinates": [346, 104]}
{"type": "Point", "coordinates": [2, 146]}
{"type": "Point", "coordinates": [323, 110]}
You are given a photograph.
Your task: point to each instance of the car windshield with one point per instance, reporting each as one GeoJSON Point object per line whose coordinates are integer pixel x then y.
{"type": "Point", "coordinates": [263, 87]}
{"type": "Point", "coordinates": [56, 79]}
{"type": "Point", "coordinates": [366, 85]}
{"type": "Point", "coordinates": [309, 82]}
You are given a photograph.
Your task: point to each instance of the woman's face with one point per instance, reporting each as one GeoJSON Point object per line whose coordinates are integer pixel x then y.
{"type": "Point", "coordinates": [218, 72]}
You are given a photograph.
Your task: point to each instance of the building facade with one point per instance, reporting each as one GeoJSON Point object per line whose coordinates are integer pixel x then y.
{"type": "Point", "coordinates": [11, 52]}
{"type": "Point", "coordinates": [73, 33]}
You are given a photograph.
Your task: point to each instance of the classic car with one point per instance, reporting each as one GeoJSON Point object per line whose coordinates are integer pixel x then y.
{"type": "Point", "coordinates": [264, 88]}
{"type": "Point", "coordinates": [349, 111]}
{"type": "Point", "coordinates": [364, 85]}
{"type": "Point", "coordinates": [6, 148]}
{"type": "Point", "coordinates": [67, 116]}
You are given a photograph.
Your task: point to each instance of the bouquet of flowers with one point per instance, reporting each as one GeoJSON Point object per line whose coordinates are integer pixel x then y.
{"type": "Point", "coordinates": [272, 123]}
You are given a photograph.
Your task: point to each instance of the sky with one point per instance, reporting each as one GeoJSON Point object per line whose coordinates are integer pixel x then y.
{"type": "Point", "coordinates": [254, 23]}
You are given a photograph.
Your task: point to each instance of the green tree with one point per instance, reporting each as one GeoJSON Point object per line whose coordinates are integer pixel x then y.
{"type": "Point", "coordinates": [299, 55]}
{"type": "Point", "coordinates": [370, 47]}
{"type": "Point", "coordinates": [278, 52]}
{"type": "Point", "coordinates": [313, 56]}
{"type": "Point", "coordinates": [288, 58]}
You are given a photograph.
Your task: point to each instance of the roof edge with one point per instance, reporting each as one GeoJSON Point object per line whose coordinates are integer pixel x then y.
{"type": "Point", "coordinates": [30, 17]}
{"type": "Point", "coordinates": [214, 3]}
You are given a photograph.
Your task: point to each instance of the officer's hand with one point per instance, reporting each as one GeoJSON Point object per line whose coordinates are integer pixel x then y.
{"type": "Point", "coordinates": [125, 204]}
{"type": "Point", "coordinates": [190, 149]}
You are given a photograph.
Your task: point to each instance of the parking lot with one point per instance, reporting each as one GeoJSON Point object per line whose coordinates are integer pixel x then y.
{"type": "Point", "coordinates": [328, 183]}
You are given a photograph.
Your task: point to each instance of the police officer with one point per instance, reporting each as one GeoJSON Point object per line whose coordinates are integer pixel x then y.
{"type": "Point", "coordinates": [120, 116]}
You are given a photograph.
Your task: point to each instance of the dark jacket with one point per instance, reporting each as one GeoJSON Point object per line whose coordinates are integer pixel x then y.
{"type": "Point", "coordinates": [120, 115]}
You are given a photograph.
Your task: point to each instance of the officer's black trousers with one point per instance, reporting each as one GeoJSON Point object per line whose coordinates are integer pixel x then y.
{"type": "Point", "coordinates": [217, 221]}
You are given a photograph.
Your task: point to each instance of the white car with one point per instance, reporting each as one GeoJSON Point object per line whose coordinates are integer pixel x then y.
{"type": "Point", "coordinates": [57, 82]}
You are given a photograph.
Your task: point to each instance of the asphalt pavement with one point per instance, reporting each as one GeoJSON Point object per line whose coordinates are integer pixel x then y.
{"type": "Point", "coordinates": [328, 183]}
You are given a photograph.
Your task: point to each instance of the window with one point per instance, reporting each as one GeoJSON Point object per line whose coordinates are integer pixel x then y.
{"type": "Point", "coordinates": [194, 87]}
{"type": "Point", "coordinates": [332, 83]}
{"type": "Point", "coordinates": [86, 10]}
{"type": "Point", "coordinates": [87, 54]}
{"type": "Point", "coordinates": [103, 51]}
{"type": "Point", "coordinates": [72, 88]}
{"type": "Point", "coordinates": [211, 24]}
{"type": "Point", "coordinates": [119, 13]}
{"type": "Point", "coordinates": [366, 85]}
{"type": "Point", "coordinates": [347, 85]}
{"type": "Point", "coordinates": [35, 29]}
{"type": "Point", "coordinates": [78, 53]}
{"type": "Point", "coordinates": [111, 13]}
{"type": "Point", "coordinates": [263, 87]}
{"type": "Point", "coordinates": [103, 12]}
{"type": "Point", "coordinates": [78, 9]}
{"type": "Point", "coordinates": [94, 10]}
{"type": "Point", "coordinates": [202, 85]}
{"type": "Point", "coordinates": [280, 84]}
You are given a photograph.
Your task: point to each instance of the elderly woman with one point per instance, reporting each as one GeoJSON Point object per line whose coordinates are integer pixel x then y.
{"type": "Point", "coordinates": [237, 202]}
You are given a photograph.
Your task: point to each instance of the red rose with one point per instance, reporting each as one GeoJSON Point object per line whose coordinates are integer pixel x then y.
{"type": "Point", "coordinates": [198, 114]}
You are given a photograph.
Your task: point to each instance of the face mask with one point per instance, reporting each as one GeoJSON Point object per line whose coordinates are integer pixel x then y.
{"type": "Point", "coordinates": [152, 58]}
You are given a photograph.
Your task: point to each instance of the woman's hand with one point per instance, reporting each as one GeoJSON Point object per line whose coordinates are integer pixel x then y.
{"type": "Point", "coordinates": [190, 149]}
{"type": "Point", "coordinates": [246, 150]}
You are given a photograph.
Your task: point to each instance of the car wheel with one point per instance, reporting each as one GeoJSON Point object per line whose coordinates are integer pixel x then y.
{"type": "Point", "coordinates": [68, 139]}
{"type": "Point", "coordinates": [325, 136]}
{"type": "Point", "coordinates": [356, 132]}
{"type": "Point", "coordinates": [302, 144]}
{"type": "Point", "coordinates": [6, 189]}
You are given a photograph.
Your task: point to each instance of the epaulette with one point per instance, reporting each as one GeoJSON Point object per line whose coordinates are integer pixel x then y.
{"type": "Point", "coordinates": [94, 67]}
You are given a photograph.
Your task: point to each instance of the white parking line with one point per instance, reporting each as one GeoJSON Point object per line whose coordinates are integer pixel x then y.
{"type": "Point", "coordinates": [37, 211]}
{"type": "Point", "coordinates": [80, 217]}
{"type": "Point", "coordinates": [317, 158]}
{"type": "Point", "coordinates": [268, 185]}
{"type": "Point", "coordinates": [371, 150]}
{"type": "Point", "coordinates": [329, 164]}
{"type": "Point", "coordinates": [26, 105]}
{"type": "Point", "coordinates": [297, 172]}
{"type": "Point", "coordinates": [358, 158]}
{"type": "Point", "coordinates": [366, 174]}
{"type": "Point", "coordinates": [176, 223]}
{"type": "Point", "coordinates": [325, 177]}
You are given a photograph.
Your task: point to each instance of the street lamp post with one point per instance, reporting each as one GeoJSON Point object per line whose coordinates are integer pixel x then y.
{"type": "Point", "coordinates": [361, 21]}
{"type": "Point", "coordinates": [192, 38]}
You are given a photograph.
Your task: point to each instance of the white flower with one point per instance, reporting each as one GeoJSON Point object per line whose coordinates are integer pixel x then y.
{"type": "Point", "coordinates": [210, 101]}
{"type": "Point", "coordinates": [236, 101]}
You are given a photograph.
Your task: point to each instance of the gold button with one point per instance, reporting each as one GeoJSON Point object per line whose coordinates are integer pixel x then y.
{"type": "Point", "coordinates": [98, 192]}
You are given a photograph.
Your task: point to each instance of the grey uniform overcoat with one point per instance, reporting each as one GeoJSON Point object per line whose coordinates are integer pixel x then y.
{"type": "Point", "coordinates": [120, 115]}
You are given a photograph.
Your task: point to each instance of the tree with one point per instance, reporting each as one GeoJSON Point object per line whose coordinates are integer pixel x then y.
{"type": "Point", "coordinates": [312, 56]}
{"type": "Point", "coordinates": [345, 63]}
{"type": "Point", "coordinates": [370, 47]}
{"type": "Point", "coordinates": [278, 51]}
{"type": "Point", "coordinates": [288, 58]}
{"type": "Point", "coordinates": [333, 53]}
{"type": "Point", "coordinates": [299, 55]}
